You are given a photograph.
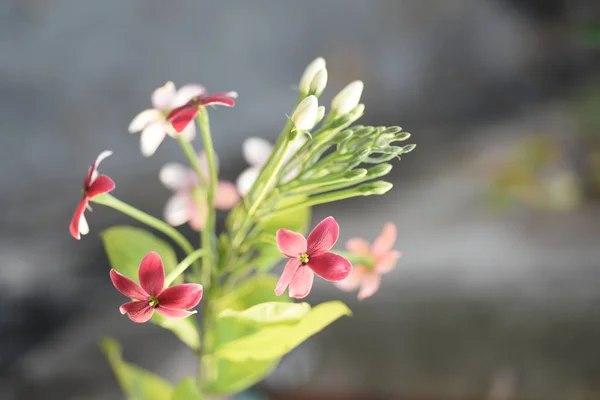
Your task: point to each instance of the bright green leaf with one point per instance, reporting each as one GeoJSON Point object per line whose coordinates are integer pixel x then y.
{"type": "Point", "coordinates": [228, 377]}
{"type": "Point", "coordinates": [275, 341]}
{"type": "Point", "coordinates": [136, 383]}
{"type": "Point", "coordinates": [126, 246]}
{"type": "Point", "coordinates": [254, 290]}
{"type": "Point", "coordinates": [270, 313]}
{"type": "Point", "coordinates": [297, 220]}
{"type": "Point", "coordinates": [186, 390]}
{"type": "Point", "coordinates": [184, 328]}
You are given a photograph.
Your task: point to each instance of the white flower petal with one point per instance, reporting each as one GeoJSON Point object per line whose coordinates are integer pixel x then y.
{"type": "Point", "coordinates": [163, 97]}
{"type": "Point", "coordinates": [186, 93]}
{"type": "Point", "coordinates": [189, 132]}
{"type": "Point", "coordinates": [177, 210]}
{"type": "Point", "coordinates": [143, 119]}
{"type": "Point", "coordinates": [256, 151]}
{"type": "Point", "coordinates": [84, 228]}
{"type": "Point", "coordinates": [152, 136]}
{"type": "Point", "coordinates": [246, 179]}
{"type": "Point", "coordinates": [175, 176]}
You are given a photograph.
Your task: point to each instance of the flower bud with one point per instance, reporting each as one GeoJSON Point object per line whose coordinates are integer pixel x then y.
{"type": "Point", "coordinates": [310, 73]}
{"type": "Point", "coordinates": [317, 86]}
{"type": "Point", "coordinates": [305, 115]}
{"type": "Point", "coordinates": [320, 114]}
{"type": "Point", "coordinates": [375, 188]}
{"type": "Point", "coordinates": [347, 99]}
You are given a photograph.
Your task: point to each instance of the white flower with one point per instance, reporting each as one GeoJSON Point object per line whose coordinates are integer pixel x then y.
{"type": "Point", "coordinates": [309, 74]}
{"type": "Point", "coordinates": [305, 115]}
{"type": "Point", "coordinates": [256, 153]}
{"type": "Point", "coordinates": [347, 99]}
{"type": "Point", "coordinates": [319, 82]}
{"type": "Point", "coordinates": [152, 122]}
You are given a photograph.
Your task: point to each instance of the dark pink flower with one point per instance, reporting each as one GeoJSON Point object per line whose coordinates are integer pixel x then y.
{"type": "Point", "coordinates": [93, 185]}
{"type": "Point", "coordinates": [310, 256]}
{"type": "Point", "coordinates": [150, 294]}
{"type": "Point", "coordinates": [379, 259]}
{"type": "Point", "coordinates": [181, 116]}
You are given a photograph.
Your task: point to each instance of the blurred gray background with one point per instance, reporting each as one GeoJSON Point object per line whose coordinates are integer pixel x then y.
{"type": "Point", "coordinates": [487, 302]}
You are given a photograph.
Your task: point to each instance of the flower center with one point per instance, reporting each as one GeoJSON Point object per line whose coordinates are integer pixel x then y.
{"type": "Point", "coordinates": [153, 301]}
{"type": "Point", "coordinates": [303, 258]}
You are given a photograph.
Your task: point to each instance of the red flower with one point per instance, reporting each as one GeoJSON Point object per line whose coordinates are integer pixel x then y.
{"type": "Point", "coordinates": [172, 302]}
{"type": "Point", "coordinates": [310, 256]}
{"type": "Point", "coordinates": [93, 185]}
{"type": "Point", "coordinates": [180, 117]}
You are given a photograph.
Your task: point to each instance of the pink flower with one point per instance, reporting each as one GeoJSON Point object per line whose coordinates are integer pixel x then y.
{"type": "Point", "coordinates": [93, 185]}
{"type": "Point", "coordinates": [150, 295]}
{"type": "Point", "coordinates": [153, 122]}
{"type": "Point", "coordinates": [180, 117]}
{"type": "Point", "coordinates": [309, 256]}
{"type": "Point", "coordinates": [379, 259]}
{"type": "Point", "coordinates": [188, 204]}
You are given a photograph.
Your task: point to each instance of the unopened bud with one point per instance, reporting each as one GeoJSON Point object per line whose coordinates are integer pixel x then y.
{"type": "Point", "coordinates": [320, 114]}
{"type": "Point", "coordinates": [347, 99]}
{"type": "Point", "coordinates": [310, 73]}
{"type": "Point", "coordinates": [305, 115]}
{"type": "Point", "coordinates": [379, 187]}
{"type": "Point", "coordinates": [379, 170]}
{"type": "Point", "coordinates": [317, 86]}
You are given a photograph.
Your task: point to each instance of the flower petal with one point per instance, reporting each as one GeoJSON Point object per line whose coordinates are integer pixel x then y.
{"type": "Point", "coordinates": [352, 282]}
{"type": "Point", "coordinates": [291, 244]}
{"type": "Point", "coordinates": [330, 266]}
{"type": "Point", "coordinates": [152, 136]}
{"type": "Point", "coordinates": [163, 97]}
{"type": "Point", "coordinates": [177, 210]}
{"type": "Point", "coordinates": [256, 151]}
{"type": "Point", "coordinates": [386, 240]}
{"type": "Point", "coordinates": [183, 296]}
{"type": "Point", "coordinates": [226, 195]}
{"type": "Point", "coordinates": [220, 99]}
{"type": "Point", "coordinates": [180, 117]}
{"type": "Point", "coordinates": [369, 285]}
{"type": "Point", "coordinates": [286, 277]}
{"type": "Point", "coordinates": [323, 237]}
{"type": "Point", "coordinates": [137, 311]}
{"type": "Point", "coordinates": [84, 228]}
{"type": "Point", "coordinates": [127, 287]}
{"type": "Point", "coordinates": [187, 93]}
{"type": "Point", "coordinates": [102, 184]}
{"type": "Point", "coordinates": [143, 119]}
{"type": "Point", "coordinates": [358, 246]}
{"type": "Point", "coordinates": [77, 216]}
{"type": "Point", "coordinates": [172, 313]}
{"type": "Point", "coordinates": [175, 176]}
{"type": "Point", "coordinates": [152, 274]}
{"type": "Point", "coordinates": [301, 282]}
{"type": "Point", "coordinates": [386, 262]}
{"type": "Point", "coordinates": [188, 133]}
{"type": "Point", "coordinates": [246, 179]}
{"type": "Point", "coordinates": [92, 174]}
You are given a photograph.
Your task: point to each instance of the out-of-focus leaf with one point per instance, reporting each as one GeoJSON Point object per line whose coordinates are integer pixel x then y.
{"type": "Point", "coordinates": [266, 314]}
{"type": "Point", "coordinates": [229, 377]}
{"type": "Point", "coordinates": [186, 390]}
{"type": "Point", "coordinates": [185, 329]}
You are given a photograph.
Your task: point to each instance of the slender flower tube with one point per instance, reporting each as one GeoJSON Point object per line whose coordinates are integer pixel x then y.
{"type": "Point", "coordinates": [151, 295]}
{"type": "Point", "coordinates": [309, 256]}
{"type": "Point", "coordinates": [93, 185]}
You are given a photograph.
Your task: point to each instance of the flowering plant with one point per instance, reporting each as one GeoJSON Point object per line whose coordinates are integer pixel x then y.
{"type": "Point", "coordinates": [246, 324]}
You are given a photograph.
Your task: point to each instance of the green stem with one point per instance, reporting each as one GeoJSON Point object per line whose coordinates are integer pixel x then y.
{"type": "Point", "coordinates": [183, 265]}
{"type": "Point", "coordinates": [208, 233]}
{"type": "Point", "coordinates": [192, 157]}
{"type": "Point", "coordinates": [153, 222]}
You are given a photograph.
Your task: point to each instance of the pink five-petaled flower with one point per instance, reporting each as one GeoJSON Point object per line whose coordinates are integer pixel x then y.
{"type": "Point", "coordinates": [151, 295]}
{"type": "Point", "coordinates": [93, 185]}
{"type": "Point", "coordinates": [189, 201]}
{"type": "Point", "coordinates": [310, 256]}
{"type": "Point", "coordinates": [180, 117]}
{"type": "Point", "coordinates": [380, 259]}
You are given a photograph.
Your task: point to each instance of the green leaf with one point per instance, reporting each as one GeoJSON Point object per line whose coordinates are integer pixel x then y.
{"type": "Point", "coordinates": [136, 383]}
{"type": "Point", "coordinates": [254, 290]}
{"type": "Point", "coordinates": [297, 221]}
{"type": "Point", "coordinates": [184, 328]}
{"type": "Point", "coordinates": [186, 390]}
{"type": "Point", "coordinates": [229, 377]}
{"type": "Point", "coordinates": [126, 246]}
{"type": "Point", "coordinates": [274, 342]}
{"type": "Point", "coordinates": [265, 314]}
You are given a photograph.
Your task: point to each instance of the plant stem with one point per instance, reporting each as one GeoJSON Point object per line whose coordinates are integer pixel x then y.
{"type": "Point", "coordinates": [153, 222]}
{"type": "Point", "coordinates": [208, 233]}
{"type": "Point", "coordinates": [192, 157]}
{"type": "Point", "coordinates": [183, 265]}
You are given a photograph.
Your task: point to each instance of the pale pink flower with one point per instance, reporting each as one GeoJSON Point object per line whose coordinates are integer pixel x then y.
{"type": "Point", "coordinates": [379, 259]}
{"type": "Point", "coordinates": [153, 122]}
{"type": "Point", "coordinates": [151, 295]}
{"type": "Point", "coordinates": [181, 116]}
{"type": "Point", "coordinates": [93, 185]}
{"type": "Point", "coordinates": [310, 256]}
{"type": "Point", "coordinates": [188, 203]}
